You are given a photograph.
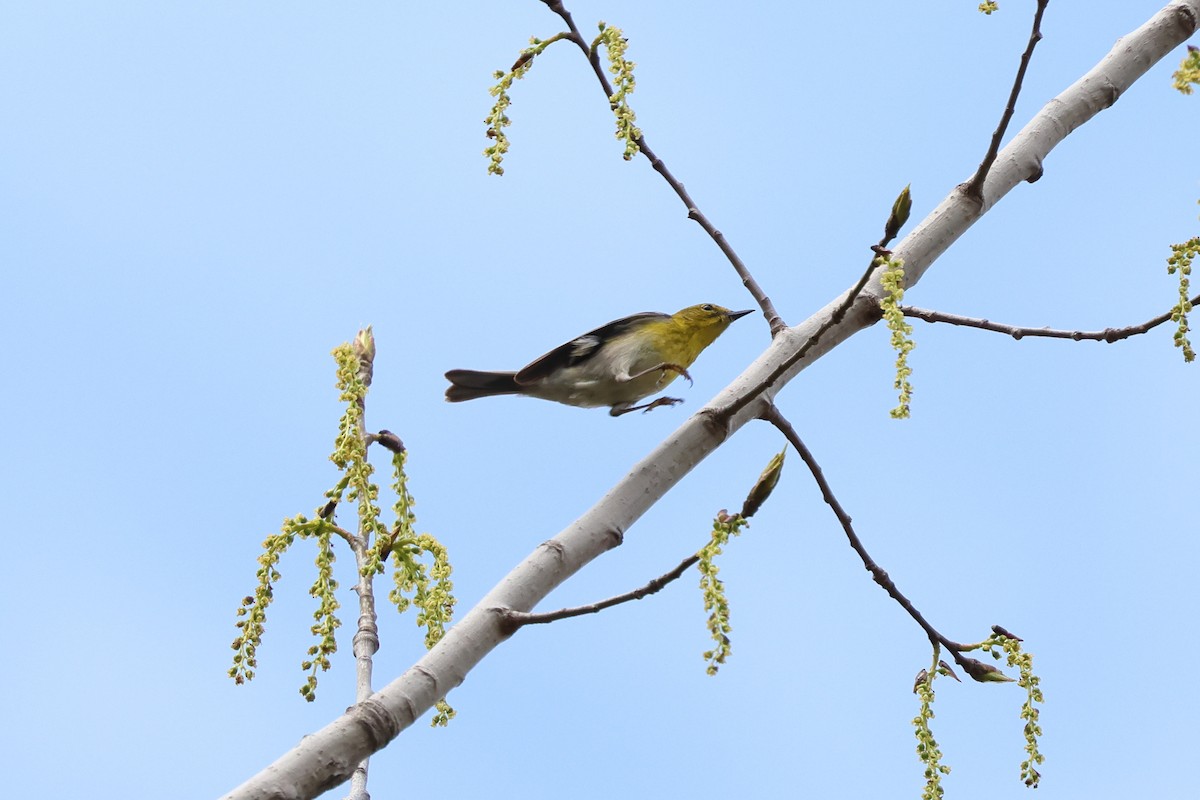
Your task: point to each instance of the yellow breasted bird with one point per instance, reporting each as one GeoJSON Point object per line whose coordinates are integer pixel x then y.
{"type": "Point", "coordinates": [615, 365]}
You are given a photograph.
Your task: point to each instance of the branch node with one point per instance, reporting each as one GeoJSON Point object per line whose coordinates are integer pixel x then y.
{"type": "Point", "coordinates": [614, 537]}
{"type": "Point", "coordinates": [777, 325]}
{"type": "Point", "coordinates": [380, 725]}
{"type": "Point", "coordinates": [365, 638]}
{"type": "Point", "coordinates": [507, 620]}
{"type": "Point", "coordinates": [1114, 94]}
{"type": "Point", "coordinates": [717, 421]}
{"type": "Point", "coordinates": [555, 546]}
{"type": "Point", "coordinates": [425, 671]}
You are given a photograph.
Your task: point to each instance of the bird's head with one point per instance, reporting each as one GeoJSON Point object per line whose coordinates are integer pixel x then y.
{"type": "Point", "coordinates": [702, 324]}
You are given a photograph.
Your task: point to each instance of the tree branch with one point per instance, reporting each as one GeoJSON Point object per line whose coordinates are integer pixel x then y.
{"type": "Point", "coordinates": [1109, 335]}
{"type": "Point", "coordinates": [351, 539]}
{"type": "Point", "coordinates": [327, 757]}
{"type": "Point", "coordinates": [365, 645]}
{"type": "Point", "coordinates": [774, 416]}
{"type": "Point", "coordinates": [975, 187]}
{"type": "Point", "coordinates": [366, 636]}
{"type": "Point", "coordinates": [521, 618]}
{"type": "Point", "coordinates": [693, 211]}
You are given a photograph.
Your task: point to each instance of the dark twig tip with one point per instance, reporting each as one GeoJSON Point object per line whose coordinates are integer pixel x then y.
{"type": "Point", "coordinates": [390, 441]}
{"type": "Point", "coordinates": [999, 631]}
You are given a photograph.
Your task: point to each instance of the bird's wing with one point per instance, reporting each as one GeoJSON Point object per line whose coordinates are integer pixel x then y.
{"type": "Point", "coordinates": [581, 348]}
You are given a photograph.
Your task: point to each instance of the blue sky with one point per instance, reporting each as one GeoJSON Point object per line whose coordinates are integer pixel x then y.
{"type": "Point", "coordinates": [200, 200]}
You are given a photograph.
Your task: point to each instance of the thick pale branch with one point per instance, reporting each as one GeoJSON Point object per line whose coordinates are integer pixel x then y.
{"type": "Point", "coordinates": [327, 757]}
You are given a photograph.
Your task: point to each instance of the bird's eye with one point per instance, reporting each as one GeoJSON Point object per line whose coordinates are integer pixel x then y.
{"type": "Point", "coordinates": [706, 307]}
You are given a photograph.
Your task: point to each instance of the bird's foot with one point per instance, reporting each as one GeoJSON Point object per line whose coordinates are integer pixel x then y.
{"type": "Point", "coordinates": [617, 411]}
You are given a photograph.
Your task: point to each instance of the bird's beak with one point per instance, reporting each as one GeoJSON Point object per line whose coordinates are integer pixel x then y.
{"type": "Point", "coordinates": [739, 314]}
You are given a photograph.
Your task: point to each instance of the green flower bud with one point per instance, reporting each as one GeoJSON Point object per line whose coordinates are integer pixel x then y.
{"type": "Point", "coordinates": [984, 673]}
{"type": "Point", "coordinates": [364, 351]}
{"type": "Point", "coordinates": [899, 215]}
{"type": "Point", "coordinates": [944, 669]}
{"type": "Point", "coordinates": [390, 441]}
{"type": "Point", "coordinates": [996, 629]}
{"type": "Point", "coordinates": [765, 485]}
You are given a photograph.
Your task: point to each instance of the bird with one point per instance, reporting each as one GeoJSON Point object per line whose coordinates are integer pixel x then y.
{"type": "Point", "coordinates": [615, 365]}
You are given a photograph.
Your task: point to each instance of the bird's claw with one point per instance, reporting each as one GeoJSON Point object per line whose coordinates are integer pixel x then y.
{"type": "Point", "coordinates": [617, 410]}
{"type": "Point", "coordinates": [682, 371]}
{"type": "Point", "coordinates": [662, 401]}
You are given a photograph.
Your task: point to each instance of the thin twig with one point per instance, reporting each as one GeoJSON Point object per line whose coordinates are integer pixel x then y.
{"type": "Point", "coordinates": [880, 576]}
{"type": "Point", "coordinates": [352, 540]}
{"type": "Point", "coordinates": [366, 636]}
{"type": "Point", "coordinates": [520, 618]}
{"type": "Point", "coordinates": [775, 322]}
{"type": "Point", "coordinates": [1109, 335]}
{"type": "Point", "coordinates": [975, 185]}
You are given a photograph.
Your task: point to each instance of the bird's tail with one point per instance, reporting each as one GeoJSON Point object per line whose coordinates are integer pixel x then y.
{"type": "Point", "coordinates": [467, 384]}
